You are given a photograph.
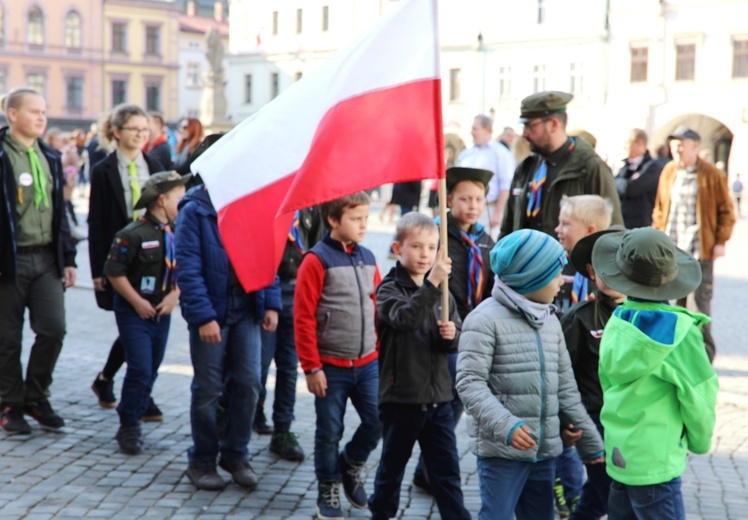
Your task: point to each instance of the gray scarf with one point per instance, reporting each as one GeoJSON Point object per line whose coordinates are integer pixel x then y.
{"type": "Point", "coordinates": [536, 314]}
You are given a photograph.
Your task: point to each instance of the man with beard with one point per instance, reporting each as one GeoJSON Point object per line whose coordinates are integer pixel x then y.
{"type": "Point", "coordinates": [560, 165]}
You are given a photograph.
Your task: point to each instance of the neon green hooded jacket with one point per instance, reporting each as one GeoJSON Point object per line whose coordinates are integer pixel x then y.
{"type": "Point", "coordinates": [659, 392]}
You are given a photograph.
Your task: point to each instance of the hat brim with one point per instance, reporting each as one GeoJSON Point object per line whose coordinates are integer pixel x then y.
{"type": "Point", "coordinates": [604, 261]}
{"type": "Point", "coordinates": [457, 174]}
{"type": "Point", "coordinates": [150, 194]}
{"type": "Point", "coordinates": [581, 255]}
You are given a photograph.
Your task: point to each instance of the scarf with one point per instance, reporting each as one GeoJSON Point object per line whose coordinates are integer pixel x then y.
{"type": "Point", "coordinates": [39, 180]}
{"type": "Point", "coordinates": [536, 314]}
{"type": "Point", "coordinates": [294, 235]}
{"type": "Point", "coordinates": [535, 198]}
{"type": "Point", "coordinates": [476, 276]}
{"type": "Point", "coordinates": [170, 257]}
{"type": "Point", "coordinates": [579, 290]}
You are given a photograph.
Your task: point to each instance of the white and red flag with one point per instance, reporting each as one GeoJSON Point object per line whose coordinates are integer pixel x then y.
{"type": "Point", "coordinates": [369, 115]}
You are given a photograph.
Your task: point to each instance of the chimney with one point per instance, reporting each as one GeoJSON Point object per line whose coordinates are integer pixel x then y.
{"type": "Point", "coordinates": [218, 10]}
{"type": "Point", "coordinates": [191, 8]}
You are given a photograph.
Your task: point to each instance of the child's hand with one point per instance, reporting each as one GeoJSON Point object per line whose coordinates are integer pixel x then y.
{"type": "Point", "coordinates": [447, 330]}
{"type": "Point", "coordinates": [598, 460]}
{"type": "Point", "coordinates": [210, 332]}
{"type": "Point", "coordinates": [167, 304]}
{"type": "Point", "coordinates": [570, 436]}
{"type": "Point", "coordinates": [441, 270]}
{"type": "Point", "coordinates": [144, 309]}
{"type": "Point", "coordinates": [270, 321]}
{"type": "Point", "coordinates": [316, 383]}
{"type": "Point", "coordinates": [521, 439]}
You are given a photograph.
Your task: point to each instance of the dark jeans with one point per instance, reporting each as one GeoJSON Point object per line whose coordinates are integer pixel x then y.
{"type": "Point", "coordinates": [280, 345]}
{"type": "Point", "coordinates": [508, 487]}
{"type": "Point", "coordinates": [361, 386]}
{"type": "Point", "coordinates": [238, 356]}
{"type": "Point", "coordinates": [144, 342]}
{"type": "Point", "coordinates": [655, 502]}
{"type": "Point", "coordinates": [433, 428]}
{"type": "Point", "coordinates": [594, 501]}
{"type": "Point", "coordinates": [571, 472]}
{"type": "Point", "coordinates": [701, 301]}
{"type": "Point", "coordinates": [38, 287]}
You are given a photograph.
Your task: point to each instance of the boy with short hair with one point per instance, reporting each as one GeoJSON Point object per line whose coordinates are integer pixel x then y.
{"type": "Point", "coordinates": [515, 378]}
{"type": "Point", "coordinates": [140, 267]}
{"type": "Point", "coordinates": [659, 388]}
{"type": "Point", "coordinates": [336, 343]}
{"type": "Point", "coordinates": [415, 387]}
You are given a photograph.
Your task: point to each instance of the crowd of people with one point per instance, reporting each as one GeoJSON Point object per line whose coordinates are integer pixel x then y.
{"type": "Point", "coordinates": [559, 342]}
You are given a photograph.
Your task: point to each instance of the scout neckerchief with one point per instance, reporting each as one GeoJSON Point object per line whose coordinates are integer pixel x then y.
{"type": "Point", "coordinates": [579, 290]}
{"type": "Point", "coordinates": [132, 170]}
{"type": "Point", "coordinates": [40, 181]}
{"type": "Point", "coordinates": [475, 274]}
{"type": "Point", "coordinates": [294, 235]}
{"type": "Point", "coordinates": [535, 198]}
{"type": "Point", "coordinates": [170, 254]}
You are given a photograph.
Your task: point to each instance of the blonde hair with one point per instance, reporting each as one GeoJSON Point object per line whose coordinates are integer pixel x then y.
{"type": "Point", "coordinates": [413, 221]}
{"type": "Point", "coordinates": [14, 98]}
{"type": "Point", "coordinates": [588, 210]}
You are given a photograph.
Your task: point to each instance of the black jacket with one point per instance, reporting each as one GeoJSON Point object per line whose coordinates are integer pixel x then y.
{"type": "Point", "coordinates": [583, 327]}
{"type": "Point", "coordinates": [312, 229]}
{"type": "Point", "coordinates": [62, 242]}
{"type": "Point", "coordinates": [638, 195]}
{"type": "Point", "coordinates": [162, 154]}
{"type": "Point", "coordinates": [413, 358]}
{"type": "Point", "coordinates": [107, 214]}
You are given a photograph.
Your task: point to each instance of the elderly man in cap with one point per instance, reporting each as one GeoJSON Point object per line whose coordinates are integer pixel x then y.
{"type": "Point", "coordinates": [693, 207]}
{"type": "Point", "coordinates": [560, 165]}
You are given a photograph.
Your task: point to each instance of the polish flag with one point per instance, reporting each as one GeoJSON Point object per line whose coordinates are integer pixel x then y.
{"type": "Point", "coordinates": [369, 115]}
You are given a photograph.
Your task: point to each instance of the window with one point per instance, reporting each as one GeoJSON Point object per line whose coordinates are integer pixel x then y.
{"type": "Point", "coordinates": [454, 84]}
{"type": "Point", "coordinates": [73, 31]}
{"type": "Point", "coordinates": [119, 92]}
{"type": "Point", "coordinates": [541, 11]}
{"type": "Point", "coordinates": [3, 82]}
{"type": "Point", "coordinates": [74, 88]}
{"type": "Point", "coordinates": [685, 61]}
{"type": "Point", "coordinates": [2, 25]}
{"type": "Point", "coordinates": [153, 41]}
{"type": "Point", "coordinates": [639, 64]}
{"type": "Point", "coordinates": [325, 18]}
{"type": "Point", "coordinates": [38, 82]}
{"type": "Point", "coordinates": [505, 82]}
{"type": "Point", "coordinates": [275, 23]}
{"type": "Point", "coordinates": [119, 37]}
{"type": "Point", "coordinates": [575, 78]}
{"type": "Point", "coordinates": [153, 95]}
{"type": "Point", "coordinates": [248, 88]}
{"type": "Point", "coordinates": [740, 59]}
{"type": "Point", "coordinates": [274, 85]}
{"type": "Point", "coordinates": [538, 78]}
{"type": "Point", "coordinates": [299, 18]}
{"type": "Point", "coordinates": [35, 28]}
{"type": "Point", "coordinates": [193, 74]}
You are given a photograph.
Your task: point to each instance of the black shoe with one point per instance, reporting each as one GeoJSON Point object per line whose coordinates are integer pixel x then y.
{"type": "Point", "coordinates": [12, 421]}
{"type": "Point", "coordinates": [260, 424]}
{"type": "Point", "coordinates": [104, 390]}
{"type": "Point", "coordinates": [286, 446]}
{"type": "Point", "coordinates": [152, 413]}
{"type": "Point", "coordinates": [353, 486]}
{"type": "Point", "coordinates": [420, 481]}
{"type": "Point", "coordinates": [562, 508]}
{"type": "Point", "coordinates": [205, 478]}
{"type": "Point", "coordinates": [44, 415]}
{"type": "Point", "coordinates": [328, 501]}
{"type": "Point", "coordinates": [130, 439]}
{"type": "Point", "coordinates": [241, 472]}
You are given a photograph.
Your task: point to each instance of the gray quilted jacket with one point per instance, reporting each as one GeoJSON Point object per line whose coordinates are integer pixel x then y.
{"type": "Point", "coordinates": [513, 369]}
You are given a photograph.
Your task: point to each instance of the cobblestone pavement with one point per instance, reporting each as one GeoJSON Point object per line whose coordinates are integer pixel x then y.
{"type": "Point", "coordinates": [80, 473]}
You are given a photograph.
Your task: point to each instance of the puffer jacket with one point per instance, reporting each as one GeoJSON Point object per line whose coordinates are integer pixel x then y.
{"type": "Point", "coordinates": [513, 369]}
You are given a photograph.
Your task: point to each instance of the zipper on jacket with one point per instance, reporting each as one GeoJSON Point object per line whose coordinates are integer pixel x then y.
{"type": "Point", "coordinates": [543, 390]}
{"type": "Point", "coordinates": [360, 301]}
{"type": "Point", "coordinates": [8, 205]}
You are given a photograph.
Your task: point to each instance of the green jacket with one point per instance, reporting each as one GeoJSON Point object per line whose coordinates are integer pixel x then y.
{"type": "Point", "coordinates": [582, 173]}
{"type": "Point", "coordinates": [659, 392]}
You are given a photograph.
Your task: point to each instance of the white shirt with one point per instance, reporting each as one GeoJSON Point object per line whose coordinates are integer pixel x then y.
{"type": "Point", "coordinates": [493, 157]}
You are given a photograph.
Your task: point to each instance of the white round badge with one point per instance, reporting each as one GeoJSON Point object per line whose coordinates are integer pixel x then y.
{"type": "Point", "coordinates": [25, 179]}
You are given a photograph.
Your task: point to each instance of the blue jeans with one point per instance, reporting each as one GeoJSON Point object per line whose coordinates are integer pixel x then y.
{"type": "Point", "coordinates": [361, 385]}
{"type": "Point", "coordinates": [594, 502]}
{"type": "Point", "coordinates": [509, 487]}
{"type": "Point", "coordinates": [281, 346]}
{"type": "Point", "coordinates": [144, 342]}
{"type": "Point", "coordinates": [237, 356]}
{"type": "Point", "coordinates": [570, 470]}
{"type": "Point", "coordinates": [655, 502]}
{"type": "Point", "coordinates": [433, 428]}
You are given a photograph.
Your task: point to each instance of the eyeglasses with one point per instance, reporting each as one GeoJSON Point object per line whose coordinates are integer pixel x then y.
{"type": "Point", "coordinates": [528, 127]}
{"type": "Point", "coordinates": [136, 131]}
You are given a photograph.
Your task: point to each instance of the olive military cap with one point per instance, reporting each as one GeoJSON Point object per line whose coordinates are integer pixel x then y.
{"type": "Point", "coordinates": [542, 104]}
{"type": "Point", "coordinates": [159, 183]}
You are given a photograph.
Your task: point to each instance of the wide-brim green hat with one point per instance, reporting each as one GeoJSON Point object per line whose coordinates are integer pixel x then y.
{"type": "Point", "coordinates": [457, 174]}
{"type": "Point", "coordinates": [645, 264]}
{"type": "Point", "coordinates": [581, 255]}
{"type": "Point", "coordinates": [157, 184]}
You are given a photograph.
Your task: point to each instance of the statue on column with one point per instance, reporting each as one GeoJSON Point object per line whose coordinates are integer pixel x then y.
{"type": "Point", "coordinates": [213, 101]}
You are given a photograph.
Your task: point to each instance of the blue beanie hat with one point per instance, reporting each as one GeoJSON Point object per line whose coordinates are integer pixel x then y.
{"type": "Point", "coordinates": [527, 260]}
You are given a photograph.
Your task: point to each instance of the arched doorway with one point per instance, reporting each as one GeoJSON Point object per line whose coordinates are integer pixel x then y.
{"type": "Point", "coordinates": [716, 138]}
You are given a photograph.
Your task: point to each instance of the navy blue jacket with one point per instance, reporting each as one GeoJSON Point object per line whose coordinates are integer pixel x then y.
{"type": "Point", "coordinates": [203, 269]}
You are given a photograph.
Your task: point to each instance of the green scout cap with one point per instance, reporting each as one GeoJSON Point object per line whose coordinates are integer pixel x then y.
{"type": "Point", "coordinates": [542, 104]}
{"type": "Point", "coordinates": [159, 183]}
{"type": "Point", "coordinates": [581, 255]}
{"type": "Point", "coordinates": [457, 174]}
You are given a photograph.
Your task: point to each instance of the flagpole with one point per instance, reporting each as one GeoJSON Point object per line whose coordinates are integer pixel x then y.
{"type": "Point", "coordinates": [443, 240]}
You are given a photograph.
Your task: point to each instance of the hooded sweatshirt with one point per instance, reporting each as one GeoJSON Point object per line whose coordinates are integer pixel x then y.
{"type": "Point", "coordinates": [659, 391]}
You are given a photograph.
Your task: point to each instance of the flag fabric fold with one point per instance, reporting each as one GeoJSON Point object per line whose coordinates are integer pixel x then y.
{"type": "Point", "coordinates": [369, 115]}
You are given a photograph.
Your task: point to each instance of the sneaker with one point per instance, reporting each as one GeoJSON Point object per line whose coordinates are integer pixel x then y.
{"type": "Point", "coordinates": [44, 415]}
{"type": "Point", "coordinates": [328, 501]}
{"type": "Point", "coordinates": [104, 390]}
{"type": "Point", "coordinates": [260, 424]}
{"type": "Point", "coordinates": [130, 439]}
{"type": "Point", "coordinates": [353, 486]}
{"type": "Point", "coordinates": [12, 421]}
{"type": "Point", "coordinates": [420, 481]}
{"type": "Point", "coordinates": [573, 503]}
{"type": "Point", "coordinates": [286, 446]}
{"type": "Point", "coordinates": [205, 478]}
{"type": "Point", "coordinates": [152, 413]}
{"type": "Point", "coordinates": [558, 494]}
{"type": "Point", "coordinates": [241, 472]}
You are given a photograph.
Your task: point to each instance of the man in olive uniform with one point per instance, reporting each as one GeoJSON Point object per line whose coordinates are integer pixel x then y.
{"type": "Point", "coordinates": [560, 165]}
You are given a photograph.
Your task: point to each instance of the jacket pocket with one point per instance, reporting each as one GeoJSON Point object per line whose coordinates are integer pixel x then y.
{"type": "Point", "coordinates": [148, 256]}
